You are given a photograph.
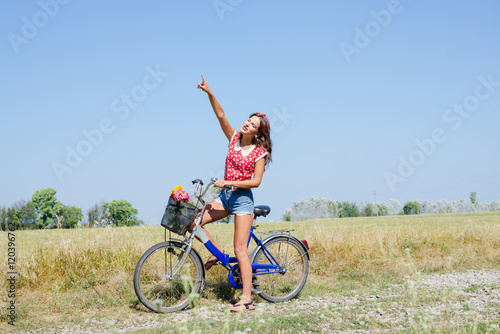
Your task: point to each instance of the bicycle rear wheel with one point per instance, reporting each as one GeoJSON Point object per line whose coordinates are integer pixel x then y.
{"type": "Point", "coordinates": [292, 257]}
{"type": "Point", "coordinates": [162, 283]}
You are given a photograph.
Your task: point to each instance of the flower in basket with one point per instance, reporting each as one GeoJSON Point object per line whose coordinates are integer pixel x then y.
{"type": "Point", "coordinates": [179, 194]}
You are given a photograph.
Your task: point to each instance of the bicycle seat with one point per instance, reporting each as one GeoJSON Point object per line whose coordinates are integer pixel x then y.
{"type": "Point", "coordinates": [261, 210]}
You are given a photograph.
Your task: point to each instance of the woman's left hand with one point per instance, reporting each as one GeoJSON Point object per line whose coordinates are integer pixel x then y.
{"type": "Point", "coordinates": [220, 183]}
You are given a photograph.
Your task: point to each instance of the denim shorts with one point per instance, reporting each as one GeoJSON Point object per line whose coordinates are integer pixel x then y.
{"type": "Point", "coordinates": [238, 201]}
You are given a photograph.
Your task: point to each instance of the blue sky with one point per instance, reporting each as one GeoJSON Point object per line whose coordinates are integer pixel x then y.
{"type": "Point", "coordinates": [400, 98]}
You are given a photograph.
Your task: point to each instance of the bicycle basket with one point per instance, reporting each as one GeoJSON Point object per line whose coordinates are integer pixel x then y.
{"type": "Point", "coordinates": [178, 216]}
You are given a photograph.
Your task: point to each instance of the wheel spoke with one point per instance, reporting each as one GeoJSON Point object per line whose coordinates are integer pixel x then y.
{"type": "Point", "coordinates": [290, 256]}
{"type": "Point", "coordinates": [155, 285]}
{"type": "Point", "coordinates": [296, 259]}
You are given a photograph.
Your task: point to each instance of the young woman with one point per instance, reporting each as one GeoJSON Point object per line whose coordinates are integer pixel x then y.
{"type": "Point", "coordinates": [249, 152]}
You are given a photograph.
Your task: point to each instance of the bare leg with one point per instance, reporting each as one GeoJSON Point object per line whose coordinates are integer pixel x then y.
{"type": "Point", "coordinates": [242, 225]}
{"type": "Point", "coordinates": [213, 212]}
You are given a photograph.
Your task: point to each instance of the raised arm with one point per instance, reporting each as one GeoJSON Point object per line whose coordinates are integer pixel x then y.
{"type": "Point", "coordinates": [219, 112]}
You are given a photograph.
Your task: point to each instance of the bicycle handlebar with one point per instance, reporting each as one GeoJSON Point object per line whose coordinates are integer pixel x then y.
{"type": "Point", "coordinates": [214, 179]}
{"type": "Point", "coordinates": [198, 190]}
{"type": "Point", "coordinates": [198, 181]}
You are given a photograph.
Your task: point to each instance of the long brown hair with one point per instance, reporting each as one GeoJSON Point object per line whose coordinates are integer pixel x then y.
{"type": "Point", "coordinates": [263, 138]}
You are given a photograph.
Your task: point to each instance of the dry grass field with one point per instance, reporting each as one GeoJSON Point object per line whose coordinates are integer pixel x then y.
{"type": "Point", "coordinates": [71, 276]}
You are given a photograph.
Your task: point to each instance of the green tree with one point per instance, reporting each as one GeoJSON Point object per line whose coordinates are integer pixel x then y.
{"type": "Point", "coordinates": [26, 214]}
{"type": "Point", "coordinates": [121, 213]}
{"type": "Point", "coordinates": [411, 208]}
{"type": "Point", "coordinates": [21, 216]}
{"type": "Point", "coordinates": [369, 210]}
{"type": "Point", "coordinates": [96, 216]}
{"type": "Point", "coordinates": [47, 206]}
{"type": "Point", "coordinates": [383, 210]}
{"type": "Point", "coordinates": [347, 209]}
{"type": "Point", "coordinates": [287, 216]}
{"type": "Point", "coordinates": [13, 219]}
{"type": "Point", "coordinates": [71, 216]}
{"type": "Point", "coordinates": [3, 219]}
{"type": "Point", "coordinates": [473, 200]}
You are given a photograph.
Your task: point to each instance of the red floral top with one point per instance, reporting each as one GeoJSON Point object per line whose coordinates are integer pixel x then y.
{"type": "Point", "coordinates": [240, 164]}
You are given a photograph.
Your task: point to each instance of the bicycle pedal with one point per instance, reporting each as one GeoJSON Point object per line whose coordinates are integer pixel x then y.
{"type": "Point", "coordinates": [256, 292]}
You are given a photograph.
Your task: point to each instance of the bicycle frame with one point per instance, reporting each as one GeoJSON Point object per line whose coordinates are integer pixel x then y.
{"type": "Point", "coordinates": [162, 272]}
{"type": "Point", "coordinates": [225, 259]}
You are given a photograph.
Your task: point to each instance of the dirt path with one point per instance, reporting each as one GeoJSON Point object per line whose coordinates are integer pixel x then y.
{"type": "Point", "coordinates": [438, 301]}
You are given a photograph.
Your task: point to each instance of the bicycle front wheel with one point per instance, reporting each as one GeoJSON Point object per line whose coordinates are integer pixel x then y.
{"type": "Point", "coordinates": [162, 282]}
{"type": "Point", "coordinates": [291, 256]}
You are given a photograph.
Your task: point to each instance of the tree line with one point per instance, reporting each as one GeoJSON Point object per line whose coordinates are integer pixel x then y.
{"type": "Point", "coordinates": [45, 211]}
{"type": "Point", "coordinates": [319, 208]}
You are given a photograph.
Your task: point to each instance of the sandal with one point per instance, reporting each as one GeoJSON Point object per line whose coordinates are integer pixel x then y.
{"type": "Point", "coordinates": [213, 260]}
{"type": "Point", "coordinates": [239, 307]}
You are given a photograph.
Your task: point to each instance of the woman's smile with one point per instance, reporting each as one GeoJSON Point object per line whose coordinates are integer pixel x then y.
{"type": "Point", "coordinates": [251, 126]}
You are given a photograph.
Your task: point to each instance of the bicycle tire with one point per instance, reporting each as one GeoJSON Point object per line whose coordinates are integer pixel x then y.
{"type": "Point", "coordinates": [280, 287]}
{"type": "Point", "coordinates": [161, 293]}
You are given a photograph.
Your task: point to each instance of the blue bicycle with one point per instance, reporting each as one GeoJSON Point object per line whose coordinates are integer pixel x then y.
{"type": "Point", "coordinates": [171, 274]}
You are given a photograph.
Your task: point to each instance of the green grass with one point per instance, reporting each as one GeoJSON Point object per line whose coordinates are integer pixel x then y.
{"type": "Point", "coordinates": [69, 276]}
